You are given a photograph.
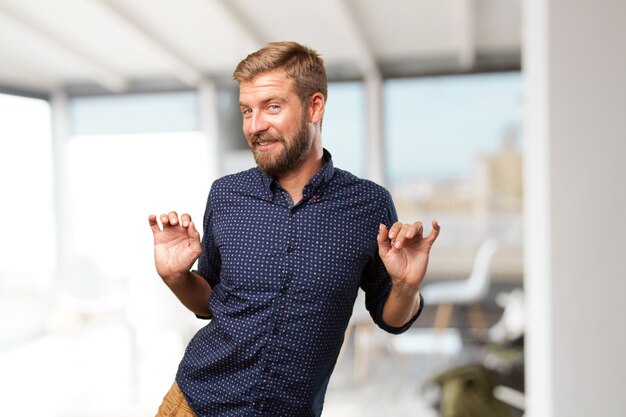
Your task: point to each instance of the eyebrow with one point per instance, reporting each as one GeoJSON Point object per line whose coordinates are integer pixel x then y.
{"type": "Point", "coordinates": [266, 100]}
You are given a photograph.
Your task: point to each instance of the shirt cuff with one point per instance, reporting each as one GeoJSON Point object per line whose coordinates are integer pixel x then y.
{"type": "Point", "coordinates": [406, 326]}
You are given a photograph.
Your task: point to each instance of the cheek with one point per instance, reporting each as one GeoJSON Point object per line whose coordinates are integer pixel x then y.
{"type": "Point", "coordinates": [291, 127]}
{"type": "Point", "coordinates": [247, 131]}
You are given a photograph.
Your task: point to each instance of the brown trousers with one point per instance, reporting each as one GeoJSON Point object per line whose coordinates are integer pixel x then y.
{"type": "Point", "coordinates": [175, 405]}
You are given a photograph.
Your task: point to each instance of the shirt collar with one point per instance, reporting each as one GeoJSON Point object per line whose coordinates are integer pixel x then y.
{"type": "Point", "coordinates": [323, 176]}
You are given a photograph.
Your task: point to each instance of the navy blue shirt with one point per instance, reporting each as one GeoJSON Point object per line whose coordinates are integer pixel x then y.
{"type": "Point", "coordinates": [284, 279]}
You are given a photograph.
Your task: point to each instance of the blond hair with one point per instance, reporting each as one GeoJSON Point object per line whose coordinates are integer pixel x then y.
{"type": "Point", "coordinates": [300, 63]}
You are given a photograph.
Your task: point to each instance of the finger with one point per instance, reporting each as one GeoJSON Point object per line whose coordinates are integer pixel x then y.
{"type": "Point", "coordinates": [407, 232]}
{"type": "Point", "coordinates": [154, 225]}
{"type": "Point", "coordinates": [416, 229]}
{"type": "Point", "coordinates": [400, 236]}
{"type": "Point", "coordinates": [395, 229]}
{"type": "Point", "coordinates": [384, 245]}
{"type": "Point", "coordinates": [165, 221]}
{"type": "Point", "coordinates": [432, 236]}
{"type": "Point", "coordinates": [185, 220]}
{"type": "Point", "coordinates": [173, 216]}
{"type": "Point", "coordinates": [193, 232]}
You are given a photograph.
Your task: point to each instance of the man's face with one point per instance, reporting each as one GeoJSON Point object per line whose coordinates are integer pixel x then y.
{"type": "Point", "coordinates": [274, 122]}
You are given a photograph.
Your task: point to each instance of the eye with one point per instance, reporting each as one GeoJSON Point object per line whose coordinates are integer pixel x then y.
{"type": "Point", "coordinates": [273, 108]}
{"type": "Point", "coordinates": [246, 111]}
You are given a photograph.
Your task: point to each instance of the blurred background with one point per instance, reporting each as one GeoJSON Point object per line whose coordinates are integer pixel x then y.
{"type": "Point", "coordinates": [503, 119]}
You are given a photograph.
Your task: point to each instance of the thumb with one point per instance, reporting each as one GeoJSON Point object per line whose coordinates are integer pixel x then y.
{"type": "Point", "coordinates": [193, 232]}
{"type": "Point", "coordinates": [384, 245]}
{"type": "Point", "coordinates": [434, 233]}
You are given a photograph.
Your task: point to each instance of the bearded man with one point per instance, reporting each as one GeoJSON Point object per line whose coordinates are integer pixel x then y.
{"type": "Point", "coordinates": [285, 248]}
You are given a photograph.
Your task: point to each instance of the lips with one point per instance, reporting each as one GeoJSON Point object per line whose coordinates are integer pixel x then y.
{"type": "Point", "coordinates": [262, 143]}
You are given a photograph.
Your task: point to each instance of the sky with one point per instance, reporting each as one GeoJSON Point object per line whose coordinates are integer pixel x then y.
{"type": "Point", "coordinates": [433, 126]}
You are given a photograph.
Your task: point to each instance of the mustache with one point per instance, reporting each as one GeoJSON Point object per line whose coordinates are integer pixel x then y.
{"type": "Point", "coordinates": [265, 137]}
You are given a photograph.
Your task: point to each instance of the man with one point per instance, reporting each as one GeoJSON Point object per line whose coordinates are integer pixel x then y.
{"type": "Point", "coordinates": [286, 247]}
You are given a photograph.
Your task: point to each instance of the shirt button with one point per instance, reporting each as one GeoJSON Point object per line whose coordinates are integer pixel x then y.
{"type": "Point", "coordinates": [290, 249]}
{"type": "Point", "coordinates": [275, 331]}
{"type": "Point", "coordinates": [283, 289]}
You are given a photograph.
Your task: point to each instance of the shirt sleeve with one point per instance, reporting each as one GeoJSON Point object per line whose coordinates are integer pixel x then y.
{"type": "Point", "coordinates": [376, 282]}
{"type": "Point", "coordinates": [209, 263]}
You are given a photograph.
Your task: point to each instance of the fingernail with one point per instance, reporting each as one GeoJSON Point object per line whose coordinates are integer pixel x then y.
{"type": "Point", "coordinates": [397, 245]}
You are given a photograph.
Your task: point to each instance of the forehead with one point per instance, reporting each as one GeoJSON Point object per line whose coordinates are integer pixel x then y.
{"type": "Point", "coordinates": [267, 85]}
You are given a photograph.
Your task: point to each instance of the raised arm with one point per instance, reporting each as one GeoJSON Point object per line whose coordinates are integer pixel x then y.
{"type": "Point", "coordinates": [176, 247]}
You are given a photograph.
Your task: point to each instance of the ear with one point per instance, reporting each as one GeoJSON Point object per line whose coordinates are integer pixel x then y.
{"type": "Point", "coordinates": [316, 108]}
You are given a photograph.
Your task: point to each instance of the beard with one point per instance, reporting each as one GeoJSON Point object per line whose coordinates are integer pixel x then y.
{"type": "Point", "coordinates": [293, 153]}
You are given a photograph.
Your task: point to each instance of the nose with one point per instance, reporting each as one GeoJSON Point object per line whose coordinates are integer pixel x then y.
{"type": "Point", "coordinates": [257, 124]}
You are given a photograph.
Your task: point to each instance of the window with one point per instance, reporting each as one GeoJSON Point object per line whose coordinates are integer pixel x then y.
{"type": "Point", "coordinates": [133, 155]}
{"type": "Point", "coordinates": [344, 133]}
{"type": "Point", "coordinates": [27, 244]}
{"type": "Point", "coordinates": [453, 152]}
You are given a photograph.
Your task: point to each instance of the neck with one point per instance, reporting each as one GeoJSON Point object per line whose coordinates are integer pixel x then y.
{"type": "Point", "coordinates": [293, 182]}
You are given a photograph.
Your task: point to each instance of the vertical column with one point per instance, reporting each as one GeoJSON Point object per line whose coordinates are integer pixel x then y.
{"type": "Point", "coordinates": [376, 149]}
{"type": "Point", "coordinates": [467, 32]}
{"type": "Point", "coordinates": [537, 255]}
{"type": "Point", "coordinates": [575, 74]}
{"type": "Point", "coordinates": [61, 132]}
{"type": "Point", "coordinates": [207, 98]}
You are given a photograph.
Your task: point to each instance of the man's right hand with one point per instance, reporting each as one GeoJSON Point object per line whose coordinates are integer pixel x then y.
{"type": "Point", "coordinates": [176, 246]}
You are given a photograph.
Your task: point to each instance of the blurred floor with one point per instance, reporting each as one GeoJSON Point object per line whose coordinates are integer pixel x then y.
{"type": "Point", "coordinates": [393, 380]}
{"type": "Point", "coordinates": [108, 369]}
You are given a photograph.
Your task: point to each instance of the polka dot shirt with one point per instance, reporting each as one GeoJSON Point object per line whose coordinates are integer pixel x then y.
{"type": "Point", "coordinates": [284, 277]}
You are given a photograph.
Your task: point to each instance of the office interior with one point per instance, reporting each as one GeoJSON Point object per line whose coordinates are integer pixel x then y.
{"type": "Point", "coordinates": [501, 119]}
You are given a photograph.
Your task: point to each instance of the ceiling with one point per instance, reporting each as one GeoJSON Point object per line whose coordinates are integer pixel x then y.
{"type": "Point", "coordinates": [121, 45]}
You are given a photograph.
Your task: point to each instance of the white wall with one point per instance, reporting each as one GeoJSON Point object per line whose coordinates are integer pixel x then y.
{"type": "Point", "coordinates": [575, 69]}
